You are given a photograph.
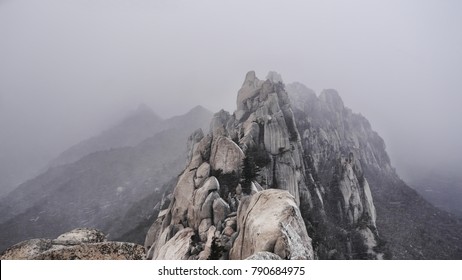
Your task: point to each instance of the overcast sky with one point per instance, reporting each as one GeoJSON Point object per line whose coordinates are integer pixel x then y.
{"type": "Point", "coordinates": [70, 68]}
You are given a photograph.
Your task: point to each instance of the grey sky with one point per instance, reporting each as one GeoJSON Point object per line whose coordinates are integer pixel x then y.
{"type": "Point", "coordinates": [70, 68]}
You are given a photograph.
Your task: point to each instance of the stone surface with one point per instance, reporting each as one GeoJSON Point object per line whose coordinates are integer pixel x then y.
{"type": "Point", "coordinates": [82, 235]}
{"type": "Point", "coordinates": [228, 231]}
{"type": "Point", "coordinates": [204, 228]}
{"type": "Point", "coordinates": [205, 254]}
{"type": "Point", "coordinates": [183, 196]}
{"type": "Point", "coordinates": [27, 250]}
{"type": "Point", "coordinates": [312, 172]}
{"type": "Point", "coordinates": [197, 210]}
{"type": "Point", "coordinates": [178, 247]}
{"type": "Point", "coordinates": [202, 173]}
{"type": "Point", "coordinates": [264, 256]}
{"type": "Point", "coordinates": [220, 212]}
{"type": "Point", "coordinates": [96, 251]}
{"type": "Point", "coordinates": [249, 89]}
{"type": "Point", "coordinates": [226, 155]}
{"type": "Point", "coordinates": [369, 207]}
{"type": "Point", "coordinates": [78, 244]}
{"type": "Point", "coordinates": [272, 222]}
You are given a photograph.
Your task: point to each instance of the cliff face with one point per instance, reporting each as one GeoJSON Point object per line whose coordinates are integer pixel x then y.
{"type": "Point", "coordinates": [408, 226]}
{"type": "Point", "coordinates": [225, 191]}
{"type": "Point", "coordinates": [337, 143]}
{"type": "Point", "coordinates": [288, 175]}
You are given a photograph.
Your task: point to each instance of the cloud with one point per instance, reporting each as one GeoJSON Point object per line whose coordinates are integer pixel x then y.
{"type": "Point", "coordinates": [70, 68]}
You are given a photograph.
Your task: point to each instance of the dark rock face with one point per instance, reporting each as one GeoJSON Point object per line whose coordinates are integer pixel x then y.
{"type": "Point", "coordinates": [407, 226]}
{"type": "Point", "coordinates": [78, 244]}
{"type": "Point", "coordinates": [336, 145]}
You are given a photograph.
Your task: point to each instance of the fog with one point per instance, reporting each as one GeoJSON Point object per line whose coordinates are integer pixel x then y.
{"type": "Point", "coordinates": [69, 69]}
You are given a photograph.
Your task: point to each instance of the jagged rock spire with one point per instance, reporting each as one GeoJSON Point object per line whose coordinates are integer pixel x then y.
{"type": "Point", "coordinates": [211, 194]}
{"type": "Point", "coordinates": [245, 157]}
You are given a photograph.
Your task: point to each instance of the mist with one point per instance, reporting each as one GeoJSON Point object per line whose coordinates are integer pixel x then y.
{"type": "Point", "coordinates": [69, 69]}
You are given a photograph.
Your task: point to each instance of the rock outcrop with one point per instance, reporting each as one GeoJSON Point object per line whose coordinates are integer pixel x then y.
{"type": "Point", "coordinates": [322, 208]}
{"type": "Point", "coordinates": [271, 222]}
{"type": "Point", "coordinates": [286, 176]}
{"type": "Point", "coordinates": [336, 146]}
{"type": "Point", "coordinates": [78, 244]}
{"type": "Point", "coordinates": [369, 212]}
{"type": "Point", "coordinates": [254, 149]}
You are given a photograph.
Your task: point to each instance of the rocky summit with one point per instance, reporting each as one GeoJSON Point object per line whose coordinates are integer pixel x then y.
{"type": "Point", "coordinates": [288, 175]}
{"type": "Point", "coordinates": [252, 185]}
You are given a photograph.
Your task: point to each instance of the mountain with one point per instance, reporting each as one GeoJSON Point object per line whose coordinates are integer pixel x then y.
{"type": "Point", "coordinates": [288, 175]}
{"type": "Point", "coordinates": [256, 183]}
{"type": "Point", "coordinates": [98, 189]}
{"type": "Point", "coordinates": [411, 227]}
{"type": "Point", "coordinates": [17, 166]}
{"type": "Point", "coordinates": [293, 175]}
{"type": "Point", "coordinates": [138, 126]}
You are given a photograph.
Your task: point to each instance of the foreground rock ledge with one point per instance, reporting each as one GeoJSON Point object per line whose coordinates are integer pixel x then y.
{"type": "Point", "coordinates": [78, 244]}
{"type": "Point", "coordinates": [271, 222]}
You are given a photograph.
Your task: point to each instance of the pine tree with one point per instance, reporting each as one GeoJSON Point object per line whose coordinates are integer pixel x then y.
{"type": "Point", "coordinates": [249, 172]}
{"type": "Point", "coordinates": [216, 250]}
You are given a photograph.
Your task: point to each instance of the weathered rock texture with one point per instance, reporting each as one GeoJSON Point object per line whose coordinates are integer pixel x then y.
{"type": "Point", "coordinates": [271, 222]}
{"type": "Point", "coordinates": [256, 149]}
{"type": "Point", "coordinates": [362, 209]}
{"type": "Point", "coordinates": [294, 176]}
{"type": "Point", "coordinates": [336, 144]}
{"type": "Point", "coordinates": [78, 244]}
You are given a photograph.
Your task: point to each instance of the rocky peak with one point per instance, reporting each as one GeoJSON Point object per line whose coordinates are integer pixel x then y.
{"type": "Point", "coordinates": [143, 115]}
{"type": "Point", "coordinates": [249, 89]}
{"type": "Point", "coordinates": [198, 110]}
{"type": "Point", "coordinates": [262, 161]}
{"type": "Point", "coordinates": [144, 109]}
{"type": "Point", "coordinates": [254, 149]}
{"type": "Point", "coordinates": [344, 131]}
{"type": "Point", "coordinates": [274, 77]}
{"type": "Point", "coordinates": [332, 99]}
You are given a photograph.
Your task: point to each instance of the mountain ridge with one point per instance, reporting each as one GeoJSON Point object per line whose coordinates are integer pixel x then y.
{"type": "Point", "coordinates": [97, 189]}
{"type": "Point", "coordinates": [136, 127]}
{"type": "Point", "coordinates": [303, 161]}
